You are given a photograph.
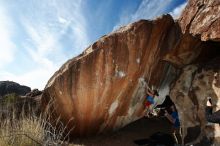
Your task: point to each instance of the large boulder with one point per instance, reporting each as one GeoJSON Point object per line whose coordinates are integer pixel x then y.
{"type": "Point", "coordinates": [8, 87]}
{"type": "Point", "coordinates": [103, 88]}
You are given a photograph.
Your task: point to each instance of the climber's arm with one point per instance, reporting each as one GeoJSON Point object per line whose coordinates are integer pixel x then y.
{"type": "Point", "coordinates": [149, 93]}
{"type": "Point", "coordinates": [169, 117]}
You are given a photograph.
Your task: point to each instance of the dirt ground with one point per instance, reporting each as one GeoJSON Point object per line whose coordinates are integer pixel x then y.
{"type": "Point", "coordinates": [139, 129]}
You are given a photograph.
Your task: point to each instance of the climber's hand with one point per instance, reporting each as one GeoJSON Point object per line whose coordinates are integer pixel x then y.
{"type": "Point", "coordinates": [209, 102]}
{"type": "Point", "coordinates": [166, 113]}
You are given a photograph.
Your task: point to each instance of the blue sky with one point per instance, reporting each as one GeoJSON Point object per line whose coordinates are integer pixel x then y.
{"type": "Point", "coordinates": [38, 36]}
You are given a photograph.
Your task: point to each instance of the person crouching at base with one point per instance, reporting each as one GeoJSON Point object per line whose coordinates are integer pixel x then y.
{"type": "Point", "coordinates": [174, 119]}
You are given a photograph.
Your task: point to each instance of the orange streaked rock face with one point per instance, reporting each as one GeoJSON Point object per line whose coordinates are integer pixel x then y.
{"type": "Point", "coordinates": [103, 88]}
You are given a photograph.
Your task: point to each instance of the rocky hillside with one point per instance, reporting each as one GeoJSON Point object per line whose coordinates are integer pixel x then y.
{"type": "Point", "coordinates": [8, 87]}
{"type": "Point", "coordinates": [103, 88]}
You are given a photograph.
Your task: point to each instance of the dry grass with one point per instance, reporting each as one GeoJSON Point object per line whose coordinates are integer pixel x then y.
{"type": "Point", "coordinates": [28, 129]}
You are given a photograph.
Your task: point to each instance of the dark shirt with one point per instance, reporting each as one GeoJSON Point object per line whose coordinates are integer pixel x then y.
{"type": "Point", "coordinates": [177, 121]}
{"type": "Point", "coordinates": [212, 117]}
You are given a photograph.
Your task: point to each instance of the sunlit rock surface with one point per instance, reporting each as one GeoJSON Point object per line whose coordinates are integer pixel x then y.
{"type": "Point", "coordinates": [103, 88]}
{"type": "Point", "coordinates": [202, 18]}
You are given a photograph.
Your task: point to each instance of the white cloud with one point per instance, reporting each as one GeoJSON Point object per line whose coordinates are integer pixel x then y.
{"type": "Point", "coordinates": [70, 15]}
{"type": "Point", "coordinates": [62, 20]}
{"type": "Point", "coordinates": [41, 43]}
{"type": "Point", "coordinates": [148, 9]}
{"type": "Point", "coordinates": [66, 16]}
{"type": "Point", "coordinates": [7, 47]}
{"type": "Point", "coordinates": [45, 25]}
{"type": "Point", "coordinates": [178, 10]}
{"type": "Point", "coordinates": [44, 40]}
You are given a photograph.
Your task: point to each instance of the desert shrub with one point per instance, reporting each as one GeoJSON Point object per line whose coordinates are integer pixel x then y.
{"type": "Point", "coordinates": [29, 129]}
{"type": "Point", "coordinates": [9, 98]}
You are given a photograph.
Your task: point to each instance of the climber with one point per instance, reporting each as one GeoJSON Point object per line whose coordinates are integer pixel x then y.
{"type": "Point", "coordinates": [150, 97]}
{"type": "Point", "coordinates": [211, 117]}
{"type": "Point", "coordinates": [150, 100]}
{"type": "Point", "coordinates": [173, 117]}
